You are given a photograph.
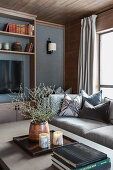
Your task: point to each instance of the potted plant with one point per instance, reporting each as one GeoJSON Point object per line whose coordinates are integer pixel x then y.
{"type": "Point", "coordinates": [37, 108]}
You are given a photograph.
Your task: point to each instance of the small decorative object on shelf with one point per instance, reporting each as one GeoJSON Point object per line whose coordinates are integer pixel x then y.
{"type": "Point", "coordinates": [44, 140]}
{"type": "Point", "coordinates": [17, 46]}
{"type": "Point", "coordinates": [37, 107]}
{"type": "Point", "coordinates": [58, 138]}
{"type": "Point", "coordinates": [6, 46]}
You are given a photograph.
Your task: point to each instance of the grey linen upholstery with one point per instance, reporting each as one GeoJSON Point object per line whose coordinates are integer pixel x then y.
{"type": "Point", "coordinates": [103, 136]}
{"type": "Point", "coordinates": [75, 125]}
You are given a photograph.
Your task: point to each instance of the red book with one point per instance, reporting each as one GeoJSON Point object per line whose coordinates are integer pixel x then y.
{"type": "Point", "coordinates": [10, 27]}
{"type": "Point", "coordinates": [17, 28]}
{"type": "Point", "coordinates": [31, 30]}
{"type": "Point", "coordinates": [13, 28]}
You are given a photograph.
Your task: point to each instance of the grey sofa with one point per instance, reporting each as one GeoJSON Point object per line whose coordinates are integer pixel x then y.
{"type": "Point", "coordinates": [96, 131]}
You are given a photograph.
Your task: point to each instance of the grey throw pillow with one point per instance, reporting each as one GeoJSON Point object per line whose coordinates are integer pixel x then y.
{"type": "Point", "coordinates": [99, 112]}
{"type": "Point", "coordinates": [111, 108]}
{"type": "Point", "coordinates": [59, 90]}
{"type": "Point", "coordinates": [71, 107]}
{"type": "Point", "coordinates": [68, 91]}
{"type": "Point", "coordinates": [94, 99]}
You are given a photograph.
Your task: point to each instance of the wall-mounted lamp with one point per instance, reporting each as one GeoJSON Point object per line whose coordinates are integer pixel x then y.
{"type": "Point", "coordinates": [50, 46]}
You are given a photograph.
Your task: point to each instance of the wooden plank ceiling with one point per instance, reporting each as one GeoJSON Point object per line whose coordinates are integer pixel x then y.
{"type": "Point", "coordinates": [58, 11]}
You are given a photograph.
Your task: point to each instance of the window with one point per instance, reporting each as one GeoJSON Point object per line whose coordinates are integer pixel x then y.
{"type": "Point", "coordinates": [106, 64]}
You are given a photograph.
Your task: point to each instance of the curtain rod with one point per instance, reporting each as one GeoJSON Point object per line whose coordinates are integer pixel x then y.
{"type": "Point", "coordinates": [104, 11]}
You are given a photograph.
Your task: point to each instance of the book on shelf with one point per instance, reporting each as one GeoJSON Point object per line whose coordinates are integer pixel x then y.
{"type": "Point", "coordinates": [65, 166]}
{"type": "Point", "coordinates": [20, 29]}
{"type": "Point", "coordinates": [17, 28]}
{"type": "Point", "coordinates": [78, 155]}
{"type": "Point", "coordinates": [33, 29]}
{"type": "Point", "coordinates": [29, 47]}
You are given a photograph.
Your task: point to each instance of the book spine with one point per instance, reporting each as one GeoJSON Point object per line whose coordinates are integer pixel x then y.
{"type": "Point", "coordinates": [10, 27]}
{"type": "Point", "coordinates": [31, 48]}
{"type": "Point", "coordinates": [23, 29]}
{"type": "Point", "coordinates": [13, 28]}
{"type": "Point", "coordinates": [58, 166]}
{"type": "Point", "coordinates": [66, 160]}
{"type": "Point", "coordinates": [33, 30]}
{"type": "Point", "coordinates": [16, 28]}
{"type": "Point", "coordinates": [97, 164]}
{"type": "Point", "coordinates": [106, 167]}
{"type": "Point", "coordinates": [19, 29]}
{"type": "Point", "coordinates": [28, 29]}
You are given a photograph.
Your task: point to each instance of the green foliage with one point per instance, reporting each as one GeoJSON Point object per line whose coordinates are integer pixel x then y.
{"type": "Point", "coordinates": [37, 106]}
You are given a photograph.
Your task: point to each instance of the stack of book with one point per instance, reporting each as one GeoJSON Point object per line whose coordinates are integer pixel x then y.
{"type": "Point", "coordinates": [29, 47]}
{"type": "Point", "coordinates": [21, 29]}
{"type": "Point", "coordinates": [78, 156]}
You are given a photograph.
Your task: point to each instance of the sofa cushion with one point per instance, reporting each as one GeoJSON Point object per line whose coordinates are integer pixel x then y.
{"type": "Point", "coordinates": [102, 135]}
{"type": "Point", "coordinates": [99, 112]}
{"type": "Point", "coordinates": [57, 100]}
{"type": "Point", "coordinates": [111, 108]}
{"type": "Point", "coordinates": [75, 125]}
{"type": "Point", "coordinates": [70, 107]}
{"type": "Point", "coordinates": [59, 90]}
{"type": "Point", "coordinates": [94, 99]}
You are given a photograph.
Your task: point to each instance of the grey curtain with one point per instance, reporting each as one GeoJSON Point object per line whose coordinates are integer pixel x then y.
{"type": "Point", "coordinates": [87, 52]}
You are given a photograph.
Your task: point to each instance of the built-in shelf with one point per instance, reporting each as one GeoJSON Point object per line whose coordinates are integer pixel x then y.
{"type": "Point", "coordinates": [16, 34]}
{"type": "Point", "coordinates": [16, 52]}
{"type": "Point", "coordinates": [31, 19]}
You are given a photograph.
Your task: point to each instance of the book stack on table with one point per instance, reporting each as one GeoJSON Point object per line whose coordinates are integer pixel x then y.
{"type": "Point", "coordinates": [77, 156]}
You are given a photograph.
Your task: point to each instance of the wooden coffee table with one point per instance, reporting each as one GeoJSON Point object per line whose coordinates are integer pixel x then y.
{"type": "Point", "coordinates": [13, 157]}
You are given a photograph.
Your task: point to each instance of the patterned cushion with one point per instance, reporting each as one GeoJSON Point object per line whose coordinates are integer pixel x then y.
{"type": "Point", "coordinates": [70, 107]}
{"type": "Point", "coordinates": [57, 100]}
{"type": "Point", "coordinates": [99, 112]}
{"type": "Point", "coordinates": [94, 99]}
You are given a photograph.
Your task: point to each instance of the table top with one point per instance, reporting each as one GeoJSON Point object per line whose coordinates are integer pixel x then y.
{"type": "Point", "coordinates": [12, 157]}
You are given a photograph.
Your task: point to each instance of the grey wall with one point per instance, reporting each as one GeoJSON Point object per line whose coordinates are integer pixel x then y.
{"type": "Point", "coordinates": [49, 66]}
{"type": "Point", "coordinates": [3, 56]}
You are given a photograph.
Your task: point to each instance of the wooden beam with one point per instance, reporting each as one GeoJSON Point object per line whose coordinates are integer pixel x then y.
{"type": "Point", "coordinates": [50, 24]}
{"type": "Point", "coordinates": [16, 14]}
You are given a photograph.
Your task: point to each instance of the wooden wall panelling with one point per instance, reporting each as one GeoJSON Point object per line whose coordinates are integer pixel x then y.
{"type": "Point", "coordinates": [105, 21]}
{"type": "Point", "coordinates": [72, 41]}
{"type": "Point", "coordinates": [50, 24]}
{"type": "Point", "coordinates": [58, 11]}
{"type": "Point", "coordinates": [33, 60]}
